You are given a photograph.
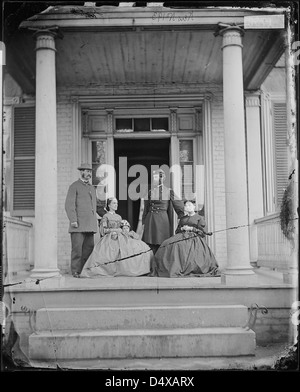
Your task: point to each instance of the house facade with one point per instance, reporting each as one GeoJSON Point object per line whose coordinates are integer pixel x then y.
{"type": "Point", "coordinates": [206, 93]}
{"type": "Point", "coordinates": [107, 69]}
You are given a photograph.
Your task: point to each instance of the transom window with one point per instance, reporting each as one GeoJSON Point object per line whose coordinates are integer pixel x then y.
{"type": "Point", "coordinates": [142, 124]}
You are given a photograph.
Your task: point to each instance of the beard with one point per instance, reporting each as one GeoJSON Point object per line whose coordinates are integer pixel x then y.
{"type": "Point", "coordinates": [189, 210]}
{"type": "Point", "coordinates": [86, 177]}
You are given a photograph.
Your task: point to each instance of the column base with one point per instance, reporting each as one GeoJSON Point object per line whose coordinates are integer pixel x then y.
{"type": "Point", "coordinates": [40, 273]}
{"type": "Point", "coordinates": [238, 277]}
{"type": "Point", "coordinates": [290, 276]}
{"type": "Point", "coordinates": [46, 278]}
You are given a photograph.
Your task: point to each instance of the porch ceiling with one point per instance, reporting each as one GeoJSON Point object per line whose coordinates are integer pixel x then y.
{"type": "Point", "coordinates": [144, 56]}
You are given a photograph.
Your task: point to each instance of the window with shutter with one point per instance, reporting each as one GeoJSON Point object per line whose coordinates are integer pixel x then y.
{"type": "Point", "coordinates": [23, 160]}
{"type": "Point", "coordinates": [281, 149]}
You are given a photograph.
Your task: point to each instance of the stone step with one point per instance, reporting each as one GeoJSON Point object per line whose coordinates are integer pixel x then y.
{"type": "Point", "coordinates": [106, 318]}
{"type": "Point", "coordinates": [142, 343]}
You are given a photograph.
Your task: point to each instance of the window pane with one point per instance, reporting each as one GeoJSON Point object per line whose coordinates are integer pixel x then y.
{"type": "Point", "coordinates": [98, 158]}
{"type": "Point", "coordinates": [123, 123]}
{"type": "Point", "coordinates": [141, 124]}
{"type": "Point", "coordinates": [186, 157]}
{"type": "Point", "coordinates": [186, 150]}
{"type": "Point", "coordinates": [160, 123]}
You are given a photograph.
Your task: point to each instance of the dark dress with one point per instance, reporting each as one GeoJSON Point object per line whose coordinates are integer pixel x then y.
{"type": "Point", "coordinates": [157, 214]}
{"type": "Point", "coordinates": [186, 253]}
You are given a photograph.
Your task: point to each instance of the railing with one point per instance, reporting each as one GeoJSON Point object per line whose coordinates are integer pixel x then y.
{"type": "Point", "coordinates": [274, 249]}
{"type": "Point", "coordinates": [16, 245]}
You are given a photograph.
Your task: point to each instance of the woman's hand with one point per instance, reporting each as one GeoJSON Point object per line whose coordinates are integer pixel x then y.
{"type": "Point", "coordinates": [114, 235]}
{"type": "Point", "coordinates": [186, 228]}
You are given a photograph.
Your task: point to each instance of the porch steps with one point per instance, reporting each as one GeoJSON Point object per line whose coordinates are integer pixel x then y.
{"type": "Point", "coordinates": [141, 332]}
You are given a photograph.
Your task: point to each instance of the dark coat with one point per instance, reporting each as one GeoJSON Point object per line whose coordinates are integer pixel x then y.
{"type": "Point", "coordinates": [157, 214]}
{"type": "Point", "coordinates": [80, 207]}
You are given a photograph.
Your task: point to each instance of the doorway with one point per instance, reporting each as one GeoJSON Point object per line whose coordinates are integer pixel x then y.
{"type": "Point", "coordinates": [146, 152]}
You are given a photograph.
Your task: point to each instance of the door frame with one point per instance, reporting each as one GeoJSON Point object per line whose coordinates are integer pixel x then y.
{"type": "Point", "coordinates": [170, 102]}
{"type": "Point", "coordinates": [141, 137]}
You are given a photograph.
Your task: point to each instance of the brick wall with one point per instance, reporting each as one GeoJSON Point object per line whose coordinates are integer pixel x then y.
{"type": "Point", "coordinates": [64, 178]}
{"type": "Point", "coordinates": [65, 157]}
{"type": "Point", "coordinates": [217, 122]}
{"type": "Point", "coordinates": [274, 327]}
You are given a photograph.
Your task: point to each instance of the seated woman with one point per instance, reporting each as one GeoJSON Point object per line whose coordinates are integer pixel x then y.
{"type": "Point", "coordinates": [119, 252]}
{"type": "Point", "coordinates": [186, 253]}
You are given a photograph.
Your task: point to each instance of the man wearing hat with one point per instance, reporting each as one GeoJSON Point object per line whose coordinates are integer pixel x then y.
{"type": "Point", "coordinates": [80, 206]}
{"type": "Point", "coordinates": [157, 212]}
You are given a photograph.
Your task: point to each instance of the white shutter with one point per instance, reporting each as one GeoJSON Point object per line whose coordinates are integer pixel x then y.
{"type": "Point", "coordinates": [281, 149]}
{"type": "Point", "coordinates": [23, 160]}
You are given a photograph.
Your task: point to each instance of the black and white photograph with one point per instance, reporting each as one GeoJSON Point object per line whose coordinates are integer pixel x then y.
{"type": "Point", "coordinates": [149, 189]}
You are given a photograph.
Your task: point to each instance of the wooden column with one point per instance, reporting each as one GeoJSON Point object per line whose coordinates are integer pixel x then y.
{"type": "Point", "coordinates": [45, 253]}
{"type": "Point", "coordinates": [238, 269]}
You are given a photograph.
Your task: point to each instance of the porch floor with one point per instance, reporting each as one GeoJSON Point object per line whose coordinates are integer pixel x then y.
{"type": "Point", "coordinates": [263, 278]}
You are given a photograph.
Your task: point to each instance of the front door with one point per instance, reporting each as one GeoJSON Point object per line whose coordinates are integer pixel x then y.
{"type": "Point", "coordinates": [146, 152]}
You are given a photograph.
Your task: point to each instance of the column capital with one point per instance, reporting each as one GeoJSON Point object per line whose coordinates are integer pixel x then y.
{"type": "Point", "coordinates": [110, 127]}
{"type": "Point", "coordinates": [45, 38]}
{"type": "Point", "coordinates": [252, 100]}
{"type": "Point", "coordinates": [173, 112]}
{"type": "Point", "coordinates": [198, 118]}
{"type": "Point", "coordinates": [232, 34]}
{"type": "Point", "coordinates": [74, 99]}
{"type": "Point", "coordinates": [85, 126]}
{"type": "Point", "coordinates": [208, 96]}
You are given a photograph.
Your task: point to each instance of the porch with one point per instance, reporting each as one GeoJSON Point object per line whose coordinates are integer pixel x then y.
{"type": "Point", "coordinates": [214, 57]}
{"type": "Point", "coordinates": [24, 296]}
{"type": "Point", "coordinates": [194, 53]}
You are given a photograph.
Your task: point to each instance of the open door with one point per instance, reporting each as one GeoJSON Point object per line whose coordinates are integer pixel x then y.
{"type": "Point", "coordinates": [146, 152]}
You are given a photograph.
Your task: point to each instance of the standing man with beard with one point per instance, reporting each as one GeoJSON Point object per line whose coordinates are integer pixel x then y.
{"type": "Point", "coordinates": [80, 206]}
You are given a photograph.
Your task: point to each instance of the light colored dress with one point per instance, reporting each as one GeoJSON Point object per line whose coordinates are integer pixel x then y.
{"type": "Point", "coordinates": [117, 253]}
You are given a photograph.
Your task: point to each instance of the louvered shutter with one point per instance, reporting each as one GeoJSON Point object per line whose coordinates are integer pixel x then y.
{"type": "Point", "coordinates": [281, 149]}
{"type": "Point", "coordinates": [23, 160]}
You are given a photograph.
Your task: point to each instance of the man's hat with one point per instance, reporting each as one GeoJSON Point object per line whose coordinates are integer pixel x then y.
{"type": "Point", "coordinates": [85, 166]}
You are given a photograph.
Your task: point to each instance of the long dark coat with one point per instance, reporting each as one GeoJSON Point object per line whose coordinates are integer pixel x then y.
{"type": "Point", "coordinates": [157, 214]}
{"type": "Point", "coordinates": [80, 206]}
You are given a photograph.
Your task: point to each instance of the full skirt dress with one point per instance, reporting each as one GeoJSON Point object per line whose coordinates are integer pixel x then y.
{"type": "Point", "coordinates": [186, 253]}
{"type": "Point", "coordinates": [118, 254]}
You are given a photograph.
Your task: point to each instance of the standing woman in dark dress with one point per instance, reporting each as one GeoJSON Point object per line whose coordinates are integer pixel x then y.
{"type": "Point", "coordinates": [186, 253]}
{"type": "Point", "coordinates": [158, 207]}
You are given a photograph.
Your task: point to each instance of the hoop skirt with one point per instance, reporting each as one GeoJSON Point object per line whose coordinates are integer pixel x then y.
{"type": "Point", "coordinates": [117, 253]}
{"type": "Point", "coordinates": [186, 253]}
